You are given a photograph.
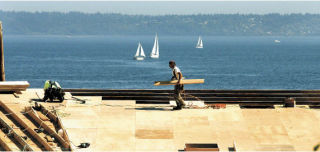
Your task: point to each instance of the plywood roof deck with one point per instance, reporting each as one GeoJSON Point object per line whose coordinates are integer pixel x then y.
{"type": "Point", "coordinates": [125, 125]}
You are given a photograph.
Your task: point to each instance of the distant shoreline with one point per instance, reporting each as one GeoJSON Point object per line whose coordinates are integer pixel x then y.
{"type": "Point", "coordinates": [47, 35]}
{"type": "Point", "coordinates": [76, 23]}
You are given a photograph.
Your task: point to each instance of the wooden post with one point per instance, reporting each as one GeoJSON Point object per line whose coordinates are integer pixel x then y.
{"type": "Point", "coordinates": [2, 74]}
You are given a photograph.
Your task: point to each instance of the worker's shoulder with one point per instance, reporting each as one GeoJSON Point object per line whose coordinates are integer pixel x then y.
{"type": "Point", "coordinates": [177, 69]}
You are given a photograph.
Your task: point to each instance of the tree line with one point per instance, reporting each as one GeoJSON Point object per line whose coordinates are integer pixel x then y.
{"type": "Point", "coordinates": [77, 23]}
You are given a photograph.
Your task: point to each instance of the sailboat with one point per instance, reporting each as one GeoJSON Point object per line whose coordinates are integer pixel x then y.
{"type": "Point", "coordinates": [276, 41]}
{"type": "Point", "coordinates": [199, 44]}
{"type": "Point", "coordinates": [155, 49]}
{"type": "Point", "coordinates": [139, 54]}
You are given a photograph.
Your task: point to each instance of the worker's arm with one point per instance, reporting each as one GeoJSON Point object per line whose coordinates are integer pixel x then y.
{"type": "Point", "coordinates": [172, 78]}
{"type": "Point", "coordinates": [180, 77]}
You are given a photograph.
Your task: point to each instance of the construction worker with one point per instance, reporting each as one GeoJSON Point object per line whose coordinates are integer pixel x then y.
{"type": "Point", "coordinates": [178, 88]}
{"type": "Point", "coordinates": [52, 90]}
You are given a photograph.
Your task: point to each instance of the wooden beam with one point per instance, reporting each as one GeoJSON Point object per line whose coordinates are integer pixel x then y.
{"type": "Point", "coordinates": [65, 134]}
{"type": "Point", "coordinates": [32, 114]}
{"type": "Point", "coordinates": [198, 94]}
{"type": "Point", "coordinates": [183, 81]}
{"type": "Point", "coordinates": [201, 147]}
{"type": "Point", "coordinates": [16, 137]}
{"type": "Point", "coordinates": [152, 102]}
{"type": "Point", "coordinates": [40, 140]}
{"type": "Point", "coordinates": [116, 90]}
{"type": "Point", "coordinates": [3, 143]}
{"type": "Point", "coordinates": [195, 98]}
{"type": "Point", "coordinates": [149, 96]}
{"type": "Point", "coordinates": [14, 85]}
{"type": "Point", "coordinates": [55, 119]}
{"type": "Point", "coordinates": [188, 91]}
{"type": "Point", "coordinates": [2, 74]}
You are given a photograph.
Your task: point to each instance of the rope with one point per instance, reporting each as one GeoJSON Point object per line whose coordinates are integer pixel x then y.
{"type": "Point", "coordinates": [191, 105]}
{"type": "Point", "coordinates": [7, 114]}
{"type": "Point", "coordinates": [25, 129]}
{"type": "Point", "coordinates": [24, 147]}
{"type": "Point", "coordinates": [40, 124]}
{"type": "Point", "coordinates": [10, 132]}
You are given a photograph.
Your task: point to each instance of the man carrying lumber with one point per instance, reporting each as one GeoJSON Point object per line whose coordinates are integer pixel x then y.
{"type": "Point", "coordinates": [178, 88]}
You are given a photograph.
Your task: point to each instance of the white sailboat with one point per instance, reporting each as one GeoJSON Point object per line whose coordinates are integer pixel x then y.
{"type": "Point", "coordinates": [199, 44]}
{"type": "Point", "coordinates": [155, 49]}
{"type": "Point", "coordinates": [277, 41]}
{"type": "Point", "coordinates": [140, 53]}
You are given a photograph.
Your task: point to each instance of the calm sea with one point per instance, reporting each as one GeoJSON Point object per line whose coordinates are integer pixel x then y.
{"type": "Point", "coordinates": [107, 61]}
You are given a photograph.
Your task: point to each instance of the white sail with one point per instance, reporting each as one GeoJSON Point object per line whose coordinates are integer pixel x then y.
{"type": "Point", "coordinates": [141, 51]}
{"type": "Point", "coordinates": [138, 50]}
{"type": "Point", "coordinates": [200, 43]}
{"type": "Point", "coordinates": [155, 49]}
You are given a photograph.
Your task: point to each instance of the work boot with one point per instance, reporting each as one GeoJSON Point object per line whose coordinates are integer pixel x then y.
{"type": "Point", "coordinates": [177, 108]}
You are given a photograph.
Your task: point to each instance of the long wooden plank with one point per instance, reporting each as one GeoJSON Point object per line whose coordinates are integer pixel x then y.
{"type": "Point", "coordinates": [14, 84]}
{"type": "Point", "coordinates": [306, 97]}
{"type": "Point", "coordinates": [192, 91]}
{"type": "Point", "coordinates": [55, 119]}
{"type": "Point", "coordinates": [17, 138]}
{"type": "Point", "coordinates": [65, 134]}
{"type": "Point", "coordinates": [194, 98]}
{"type": "Point", "coordinates": [40, 140]}
{"type": "Point", "coordinates": [31, 113]}
{"type": "Point", "coordinates": [183, 81]}
{"type": "Point", "coordinates": [198, 94]}
{"type": "Point", "coordinates": [229, 102]}
{"type": "Point", "coordinates": [2, 71]}
{"type": "Point", "coordinates": [152, 102]}
{"type": "Point", "coordinates": [119, 94]}
{"type": "Point", "coordinates": [210, 102]}
{"type": "Point", "coordinates": [3, 143]}
{"type": "Point", "coordinates": [201, 147]}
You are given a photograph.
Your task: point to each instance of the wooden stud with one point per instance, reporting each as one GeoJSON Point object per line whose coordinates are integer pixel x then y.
{"type": "Point", "coordinates": [2, 74]}
{"type": "Point", "coordinates": [40, 140]}
{"type": "Point", "coordinates": [17, 138]}
{"type": "Point", "coordinates": [3, 143]}
{"type": "Point", "coordinates": [55, 119]}
{"type": "Point", "coordinates": [31, 113]}
{"type": "Point", "coordinates": [201, 147]}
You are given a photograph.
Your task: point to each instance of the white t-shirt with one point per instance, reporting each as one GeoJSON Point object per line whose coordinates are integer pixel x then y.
{"type": "Point", "coordinates": [175, 72]}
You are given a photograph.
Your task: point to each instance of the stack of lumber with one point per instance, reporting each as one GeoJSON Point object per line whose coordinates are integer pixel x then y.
{"type": "Point", "coordinates": [253, 97]}
{"type": "Point", "coordinates": [13, 86]}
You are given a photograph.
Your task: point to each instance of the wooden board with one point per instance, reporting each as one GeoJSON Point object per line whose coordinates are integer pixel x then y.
{"type": "Point", "coordinates": [201, 147]}
{"type": "Point", "coordinates": [14, 85]}
{"type": "Point", "coordinates": [2, 72]}
{"type": "Point", "coordinates": [183, 81]}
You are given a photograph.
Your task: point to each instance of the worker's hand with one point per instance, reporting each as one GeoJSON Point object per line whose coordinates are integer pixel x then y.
{"type": "Point", "coordinates": [178, 82]}
{"type": "Point", "coordinates": [173, 78]}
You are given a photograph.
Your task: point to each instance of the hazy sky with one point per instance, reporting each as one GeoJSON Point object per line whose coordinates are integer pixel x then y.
{"type": "Point", "coordinates": [166, 7]}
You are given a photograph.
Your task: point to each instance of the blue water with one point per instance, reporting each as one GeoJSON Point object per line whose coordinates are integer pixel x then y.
{"type": "Point", "coordinates": [107, 61]}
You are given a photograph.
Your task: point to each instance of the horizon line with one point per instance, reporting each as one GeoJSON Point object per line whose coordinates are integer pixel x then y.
{"type": "Point", "coordinates": [162, 14]}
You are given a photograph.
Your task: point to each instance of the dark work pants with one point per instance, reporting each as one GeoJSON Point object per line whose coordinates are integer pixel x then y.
{"type": "Point", "coordinates": [178, 89]}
